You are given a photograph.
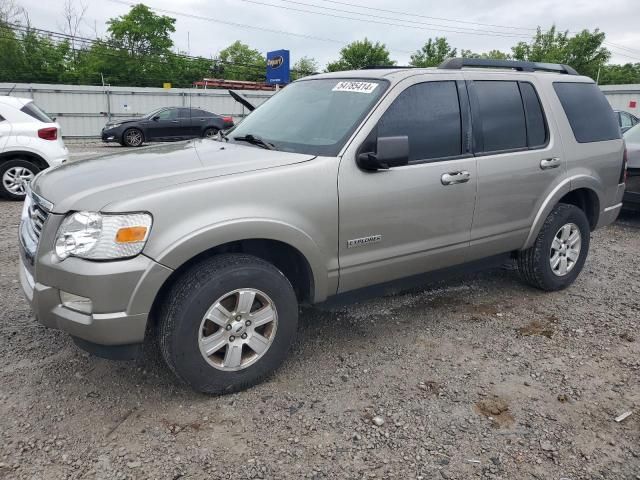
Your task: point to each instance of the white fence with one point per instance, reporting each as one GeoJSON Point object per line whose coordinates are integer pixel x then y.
{"type": "Point", "coordinates": [623, 97]}
{"type": "Point", "coordinates": [83, 110]}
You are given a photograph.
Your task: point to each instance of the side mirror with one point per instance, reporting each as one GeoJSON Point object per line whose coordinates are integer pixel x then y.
{"type": "Point", "coordinates": [156, 118]}
{"type": "Point", "coordinates": [390, 152]}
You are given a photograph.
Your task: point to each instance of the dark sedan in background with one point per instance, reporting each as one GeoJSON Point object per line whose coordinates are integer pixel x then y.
{"type": "Point", "coordinates": [632, 191]}
{"type": "Point", "coordinates": [165, 124]}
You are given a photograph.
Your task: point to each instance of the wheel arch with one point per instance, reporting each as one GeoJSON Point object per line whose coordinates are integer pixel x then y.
{"type": "Point", "coordinates": [40, 162]}
{"type": "Point", "coordinates": [287, 258]}
{"type": "Point", "coordinates": [582, 191]}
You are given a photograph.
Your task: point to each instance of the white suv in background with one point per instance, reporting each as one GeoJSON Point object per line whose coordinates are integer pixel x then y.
{"type": "Point", "coordinates": [30, 141]}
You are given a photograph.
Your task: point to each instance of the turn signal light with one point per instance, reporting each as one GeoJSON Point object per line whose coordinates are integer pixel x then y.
{"type": "Point", "coordinates": [131, 234]}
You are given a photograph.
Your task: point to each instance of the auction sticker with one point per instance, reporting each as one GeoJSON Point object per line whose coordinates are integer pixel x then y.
{"type": "Point", "coordinates": [357, 87]}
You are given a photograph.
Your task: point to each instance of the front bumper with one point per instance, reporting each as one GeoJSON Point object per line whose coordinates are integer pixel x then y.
{"type": "Point", "coordinates": [631, 197]}
{"type": "Point", "coordinates": [111, 134]}
{"type": "Point", "coordinates": [118, 328]}
{"type": "Point", "coordinates": [121, 292]}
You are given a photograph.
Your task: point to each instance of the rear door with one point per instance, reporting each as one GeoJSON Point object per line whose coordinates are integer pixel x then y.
{"type": "Point", "coordinates": [5, 132]}
{"type": "Point", "coordinates": [519, 160]}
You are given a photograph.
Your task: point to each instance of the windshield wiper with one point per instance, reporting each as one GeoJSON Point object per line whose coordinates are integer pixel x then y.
{"type": "Point", "coordinates": [255, 140]}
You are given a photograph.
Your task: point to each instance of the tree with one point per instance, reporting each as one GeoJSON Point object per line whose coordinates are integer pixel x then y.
{"type": "Point", "coordinates": [620, 74]}
{"type": "Point", "coordinates": [491, 54]}
{"type": "Point", "coordinates": [241, 62]}
{"type": "Point", "coordinates": [584, 51]}
{"type": "Point", "coordinates": [141, 32]}
{"type": "Point", "coordinates": [360, 54]}
{"type": "Point", "coordinates": [433, 53]}
{"type": "Point", "coordinates": [10, 11]}
{"type": "Point", "coordinates": [303, 67]}
{"type": "Point", "coordinates": [73, 17]}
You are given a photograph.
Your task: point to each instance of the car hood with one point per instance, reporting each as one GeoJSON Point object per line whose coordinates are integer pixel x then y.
{"type": "Point", "coordinates": [118, 121]}
{"type": "Point", "coordinates": [94, 183]}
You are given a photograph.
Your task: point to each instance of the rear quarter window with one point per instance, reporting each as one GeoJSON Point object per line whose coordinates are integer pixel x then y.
{"type": "Point", "coordinates": [591, 117]}
{"type": "Point", "coordinates": [36, 112]}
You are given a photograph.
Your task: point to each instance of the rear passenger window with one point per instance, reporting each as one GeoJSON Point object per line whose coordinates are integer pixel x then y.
{"type": "Point", "coordinates": [536, 123]}
{"type": "Point", "coordinates": [589, 114]}
{"type": "Point", "coordinates": [36, 112]}
{"type": "Point", "coordinates": [501, 115]}
{"type": "Point", "coordinates": [429, 114]}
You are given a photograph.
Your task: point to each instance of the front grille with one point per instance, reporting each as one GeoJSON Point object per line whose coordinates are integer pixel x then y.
{"type": "Point", "coordinates": [33, 224]}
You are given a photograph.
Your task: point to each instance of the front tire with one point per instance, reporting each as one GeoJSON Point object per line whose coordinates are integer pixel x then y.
{"type": "Point", "coordinates": [133, 137]}
{"type": "Point", "coordinates": [15, 175]}
{"type": "Point", "coordinates": [556, 258]}
{"type": "Point", "coordinates": [228, 323]}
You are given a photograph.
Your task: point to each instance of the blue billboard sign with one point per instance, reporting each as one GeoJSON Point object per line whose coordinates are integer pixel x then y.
{"type": "Point", "coordinates": [278, 67]}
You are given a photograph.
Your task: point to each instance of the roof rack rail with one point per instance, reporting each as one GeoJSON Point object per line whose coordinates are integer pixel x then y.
{"type": "Point", "coordinates": [385, 67]}
{"type": "Point", "coordinates": [521, 66]}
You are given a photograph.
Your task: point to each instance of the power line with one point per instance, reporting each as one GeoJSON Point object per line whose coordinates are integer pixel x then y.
{"type": "Point", "coordinates": [411, 14]}
{"type": "Point", "coordinates": [394, 19]}
{"type": "Point", "coordinates": [440, 29]}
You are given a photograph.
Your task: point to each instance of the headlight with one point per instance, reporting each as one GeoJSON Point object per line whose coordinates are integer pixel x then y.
{"type": "Point", "coordinates": [97, 236]}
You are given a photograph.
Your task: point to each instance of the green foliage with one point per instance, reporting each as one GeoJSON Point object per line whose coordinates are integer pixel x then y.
{"type": "Point", "coordinates": [303, 67]}
{"type": "Point", "coordinates": [583, 51]}
{"type": "Point", "coordinates": [138, 51]}
{"type": "Point", "coordinates": [620, 74]}
{"type": "Point", "coordinates": [360, 54]}
{"type": "Point", "coordinates": [491, 54]}
{"type": "Point", "coordinates": [241, 62]}
{"type": "Point", "coordinates": [141, 32]}
{"type": "Point", "coordinates": [433, 53]}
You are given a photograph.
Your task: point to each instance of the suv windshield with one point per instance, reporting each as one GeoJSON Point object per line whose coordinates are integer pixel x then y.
{"type": "Point", "coordinates": [312, 116]}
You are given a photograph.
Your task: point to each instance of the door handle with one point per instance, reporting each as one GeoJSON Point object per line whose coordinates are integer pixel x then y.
{"type": "Point", "coordinates": [174, 121]}
{"type": "Point", "coordinates": [453, 178]}
{"type": "Point", "coordinates": [548, 163]}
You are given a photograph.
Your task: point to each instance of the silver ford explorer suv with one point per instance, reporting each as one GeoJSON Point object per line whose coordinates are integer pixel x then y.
{"type": "Point", "coordinates": [339, 182]}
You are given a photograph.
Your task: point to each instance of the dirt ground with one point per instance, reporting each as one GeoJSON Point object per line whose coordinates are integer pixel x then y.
{"type": "Point", "coordinates": [481, 377]}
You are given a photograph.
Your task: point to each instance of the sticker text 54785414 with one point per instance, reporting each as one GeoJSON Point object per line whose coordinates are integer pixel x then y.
{"type": "Point", "coordinates": [357, 87]}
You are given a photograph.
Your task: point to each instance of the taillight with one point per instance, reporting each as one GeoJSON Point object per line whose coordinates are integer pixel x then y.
{"type": "Point", "coordinates": [228, 119]}
{"type": "Point", "coordinates": [49, 133]}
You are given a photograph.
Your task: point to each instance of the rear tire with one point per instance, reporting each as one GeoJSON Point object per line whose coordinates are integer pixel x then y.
{"type": "Point", "coordinates": [15, 175]}
{"type": "Point", "coordinates": [556, 258]}
{"type": "Point", "coordinates": [210, 132]}
{"type": "Point", "coordinates": [133, 137]}
{"type": "Point", "coordinates": [217, 343]}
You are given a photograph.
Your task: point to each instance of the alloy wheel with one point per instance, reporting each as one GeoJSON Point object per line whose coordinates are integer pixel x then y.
{"type": "Point", "coordinates": [565, 249]}
{"type": "Point", "coordinates": [238, 329]}
{"type": "Point", "coordinates": [16, 179]}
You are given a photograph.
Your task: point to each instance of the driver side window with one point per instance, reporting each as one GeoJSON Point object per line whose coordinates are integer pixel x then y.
{"type": "Point", "coordinates": [429, 114]}
{"type": "Point", "coordinates": [170, 114]}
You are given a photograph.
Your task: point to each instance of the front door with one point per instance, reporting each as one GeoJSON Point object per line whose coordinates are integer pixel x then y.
{"type": "Point", "coordinates": [164, 125]}
{"type": "Point", "coordinates": [519, 160]}
{"type": "Point", "coordinates": [415, 218]}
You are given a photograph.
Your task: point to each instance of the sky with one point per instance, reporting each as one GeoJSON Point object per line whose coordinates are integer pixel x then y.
{"type": "Point", "coordinates": [204, 27]}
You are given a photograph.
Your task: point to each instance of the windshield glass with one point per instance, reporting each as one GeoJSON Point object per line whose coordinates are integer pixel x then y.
{"type": "Point", "coordinates": [312, 116]}
{"type": "Point", "coordinates": [154, 112]}
{"type": "Point", "coordinates": [633, 134]}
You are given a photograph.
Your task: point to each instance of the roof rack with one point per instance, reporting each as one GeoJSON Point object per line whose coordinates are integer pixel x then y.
{"type": "Point", "coordinates": [386, 67]}
{"type": "Point", "coordinates": [521, 66]}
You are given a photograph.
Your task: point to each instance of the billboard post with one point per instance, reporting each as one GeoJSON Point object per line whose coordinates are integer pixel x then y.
{"type": "Point", "coordinates": [278, 72]}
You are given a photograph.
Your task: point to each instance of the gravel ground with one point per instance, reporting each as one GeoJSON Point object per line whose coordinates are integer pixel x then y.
{"type": "Point", "coordinates": [476, 378]}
